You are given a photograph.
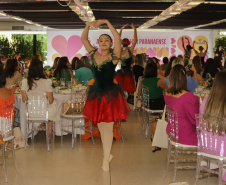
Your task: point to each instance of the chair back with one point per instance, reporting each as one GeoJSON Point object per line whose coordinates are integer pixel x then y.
{"type": "Point", "coordinates": [173, 121]}
{"type": "Point", "coordinates": [37, 105]}
{"type": "Point", "coordinates": [6, 121]}
{"type": "Point", "coordinates": [145, 97]}
{"type": "Point", "coordinates": [211, 134]}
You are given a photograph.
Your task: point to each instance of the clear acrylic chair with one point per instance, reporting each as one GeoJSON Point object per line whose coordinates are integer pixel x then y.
{"type": "Point", "coordinates": [175, 147]}
{"type": "Point", "coordinates": [72, 111]}
{"type": "Point", "coordinates": [136, 97]}
{"type": "Point", "coordinates": [146, 111]}
{"type": "Point", "coordinates": [6, 132]}
{"type": "Point", "coordinates": [211, 145]}
{"type": "Point", "coordinates": [36, 114]}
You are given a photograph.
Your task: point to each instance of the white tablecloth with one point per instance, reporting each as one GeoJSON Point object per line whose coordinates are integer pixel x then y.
{"type": "Point", "coordinates": [60, 99]}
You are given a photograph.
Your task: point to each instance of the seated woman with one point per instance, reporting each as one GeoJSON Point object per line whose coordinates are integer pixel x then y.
{"type": "Point", "coordinates": [138, 68]}
{"type": "Point", "coordinates": [74, 63]}
{"type": "Point", "coordinates": [37, 82]}
{"type": "Point", "coordinates": [164, 66]}
{"type": "Point", "coordinates": [156, 100]}
{"type": "Point", "coordinates": [210, 67]}
{"type": "Point", "coordinates": [82, 73]}
{"type": "Point", "coordinates": [62, 70]}
{"type": "Point", "coordinates": [198, 66]}
{"type": "Point", "coordinates": [191, 75]}
{"type": "Point", "coordinates": [55, 63]}
{"type": "Point", "coordinates": [12, 73]}
{"type": "Point", "coordinates": [178, 97]}
{"type": "Point", "coordinates": [6, 98]}
{"type": "Point", "coordinates": [6, 95]}
{"type": "Point", "coordinates": [151, 81]}
{"type": "Point", "coordinates": [215, 105]}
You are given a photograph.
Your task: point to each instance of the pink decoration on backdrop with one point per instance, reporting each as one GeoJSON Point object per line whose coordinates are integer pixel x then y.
{"type": "Point", "coordinates": [159, 53]}
{"type": "Point", "coordinates": [167, 49]}
{"type": "Point", "coordinates": [78, 55]}
{"type": "Point", "coordinates": [174, 46]}
{"type": "Point", "coordinates": [173, 50]}
{"type": "Point", "coordinates": [59, 43]}
{"type": "Point", "coordinates": [173, 40]}
{"type": "Point", "coordinates": [67, 48]}
{"type": "Point", "coordinates": [74, 45]}
{"type": "Point", "coordinates": [152, 52]}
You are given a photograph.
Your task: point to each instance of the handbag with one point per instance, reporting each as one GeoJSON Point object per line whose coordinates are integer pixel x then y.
{"type": "Point", "coordinates": [161, 138]}
{"type": "Point", "coordinates": [19, 141]}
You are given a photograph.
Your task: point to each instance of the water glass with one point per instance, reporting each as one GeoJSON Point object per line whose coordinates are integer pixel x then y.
{"type": "Point", "coordinates": [74, 82]}
{"type": "Point", "coordinates": [62, 82]}
{"type": "Point", "coordinates": [69, 84]}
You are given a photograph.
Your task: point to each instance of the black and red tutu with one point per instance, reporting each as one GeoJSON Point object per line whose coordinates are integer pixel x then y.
{"type": "Point", "coordinates": [126, 78]}
{"type": "Point", "coordinates": [106, 105]}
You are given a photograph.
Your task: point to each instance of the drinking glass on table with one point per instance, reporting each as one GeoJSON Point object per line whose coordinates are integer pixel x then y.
{"type": "Point", "coordinates": [19, 84]}
{"type": "Point", "coordinates": [62, 82]}
{"type": "Point", "coordinates": [74, 82]}
{"type": "Point", "coordinates": [69, 84]}
{"type": "Point", "coordinates": [205, 84]}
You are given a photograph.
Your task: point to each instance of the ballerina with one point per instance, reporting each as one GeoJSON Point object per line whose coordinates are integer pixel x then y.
{"type": "Point", "coordinates": [106, 102]}
{"type": "Point", "coordinates": [125, 76]}
{"type": "Point", "coordinates": [187, 50]}
{"type": "Point", "coordinates": [202, 52]}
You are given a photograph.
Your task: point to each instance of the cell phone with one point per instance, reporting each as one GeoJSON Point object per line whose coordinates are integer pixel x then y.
{"type": "Point", "coordinates": [190, 63]}
{"type": "Point", "coordinates": [147, 57]}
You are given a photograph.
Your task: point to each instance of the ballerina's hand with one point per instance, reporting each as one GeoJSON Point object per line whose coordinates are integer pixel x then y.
{"type": "Point", "coordinates": [132, 25]}
{"type": "Point", "coordinates": [126, 25]}
{"type": "Point", "coordinates": [92, 23]}
{"type": "Point", "coordinates": [100, 22]}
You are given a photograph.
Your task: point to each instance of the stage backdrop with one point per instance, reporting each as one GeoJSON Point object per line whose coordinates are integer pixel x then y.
{"type": "Point", "coordinates": [155, 44]}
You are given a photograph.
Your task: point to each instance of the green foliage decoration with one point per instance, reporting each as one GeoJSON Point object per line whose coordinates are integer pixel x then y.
{"type": "Point", "coordinates": [23, 43]}
{"type": "Point", "coordinates": [220, 41]}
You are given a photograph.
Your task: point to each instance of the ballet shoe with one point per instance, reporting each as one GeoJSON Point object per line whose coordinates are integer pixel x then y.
{"type": "Point", "coordinates": [105, 166]}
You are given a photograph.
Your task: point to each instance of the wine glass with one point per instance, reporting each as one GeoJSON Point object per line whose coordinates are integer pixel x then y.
{"type": "Point", "coordinates": [62, 82]}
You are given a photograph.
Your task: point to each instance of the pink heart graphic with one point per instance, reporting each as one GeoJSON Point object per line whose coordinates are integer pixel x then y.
{"type": "Point", "coordinates": [173, 40]}
{"type": "Point", "coordinates": [67, 48]}
{"type": "Point", "coordinates": [173, 50]}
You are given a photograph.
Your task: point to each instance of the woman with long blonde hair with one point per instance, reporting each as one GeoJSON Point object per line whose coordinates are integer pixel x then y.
{"type": "Point", "coordinates": [215, 104]}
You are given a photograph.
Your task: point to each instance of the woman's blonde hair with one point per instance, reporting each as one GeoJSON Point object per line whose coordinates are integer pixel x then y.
{"type": "Point", "coordinates": [177, 60]}
{"type": "Point", "coordinates": [216, 103]}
